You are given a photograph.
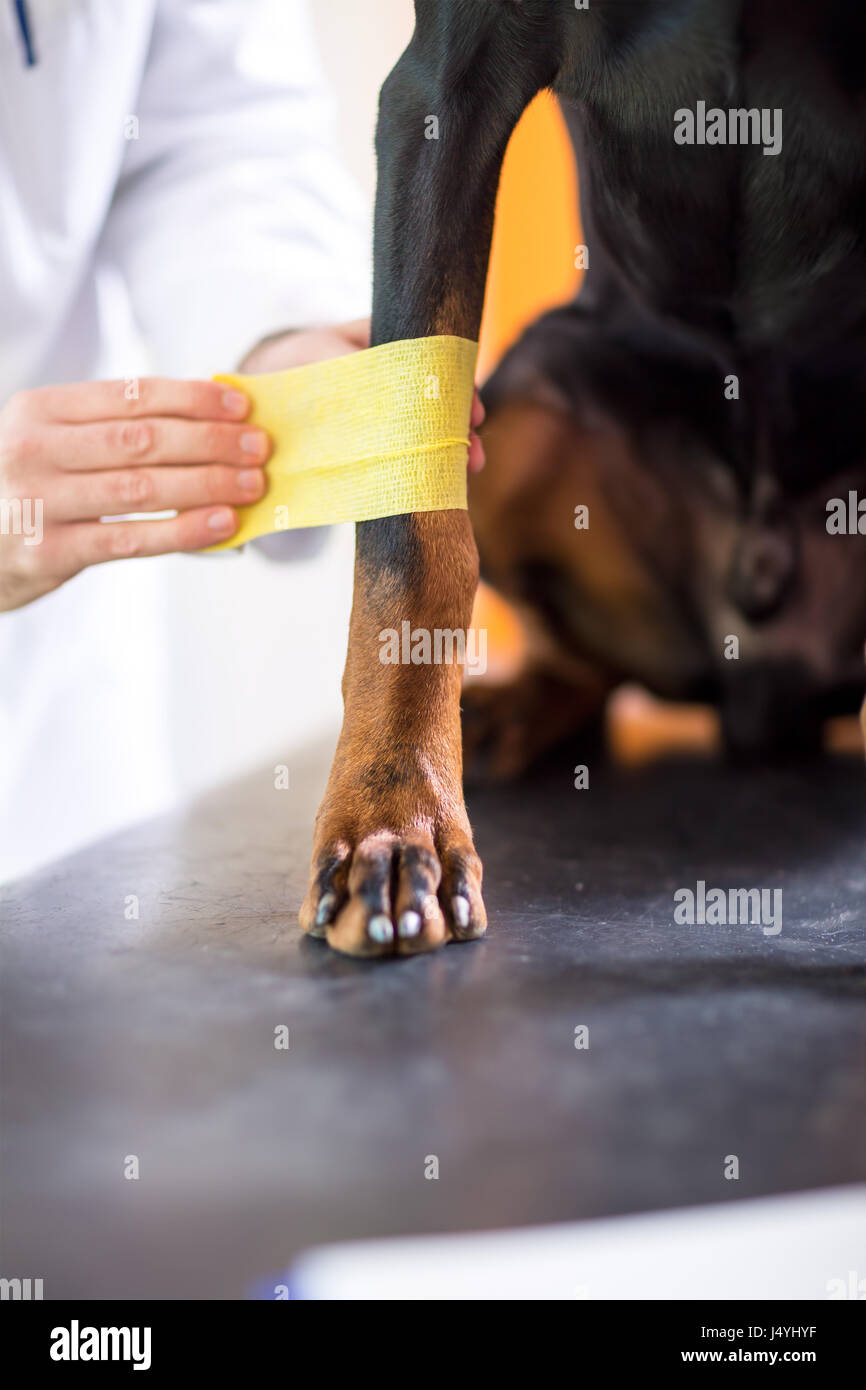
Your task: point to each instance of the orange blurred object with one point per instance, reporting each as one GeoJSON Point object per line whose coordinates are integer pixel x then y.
{"type": "Point", "coordinates": [641, 728]}
{"type": "Point", "coordinates": [532, 269]}
{"type": "Point", "coordinates": [537, 231]}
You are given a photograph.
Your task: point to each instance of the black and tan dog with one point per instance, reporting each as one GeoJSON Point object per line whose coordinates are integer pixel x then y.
{"type": "Point", "coordinates": [703, 398]}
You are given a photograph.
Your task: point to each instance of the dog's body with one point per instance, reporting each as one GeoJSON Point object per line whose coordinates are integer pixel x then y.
{"type": "Point", "coordinates": [702, 400]}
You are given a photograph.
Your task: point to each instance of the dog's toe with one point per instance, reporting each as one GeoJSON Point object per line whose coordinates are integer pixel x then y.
{"type": "Point", "coordinates": [396, 895]}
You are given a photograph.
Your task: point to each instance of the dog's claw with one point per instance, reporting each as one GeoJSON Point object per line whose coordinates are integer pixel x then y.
{"type": "Point", "coordinates": [461, 910]}
{"type": "Point", "coordinates": [409, 924]}
{"type": "Point", "coordinates": [327, 905]}
{"type": "Point", "coordinates": [380, 929]}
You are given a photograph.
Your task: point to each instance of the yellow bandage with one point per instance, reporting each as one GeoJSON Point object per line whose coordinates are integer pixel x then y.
{"type": "Point", "coordinates": [372, 434]}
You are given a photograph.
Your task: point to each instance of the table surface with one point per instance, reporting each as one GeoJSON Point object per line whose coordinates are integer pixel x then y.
{"type": "Point", "coordinates": [154, 1036]}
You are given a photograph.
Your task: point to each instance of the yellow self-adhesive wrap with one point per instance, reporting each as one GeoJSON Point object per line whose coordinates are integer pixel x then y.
{"type": "Point", "coordinates": [371, 434]}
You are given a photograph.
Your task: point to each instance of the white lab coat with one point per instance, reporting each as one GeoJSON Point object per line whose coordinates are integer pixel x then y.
{"type": "Point", "coordinates": [168, 178]}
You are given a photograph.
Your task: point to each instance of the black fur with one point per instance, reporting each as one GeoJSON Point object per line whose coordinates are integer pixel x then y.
{"type": "Point", "coordinates": [706, 262]}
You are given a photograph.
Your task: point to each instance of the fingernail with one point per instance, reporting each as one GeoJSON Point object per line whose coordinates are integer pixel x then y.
{"type": "Point", "coordinates": [326, 908]}
{"type": "Point", "coordinates": [380, 929]}
{"type": "Point", "coordinates": [235, 403]}
{"type": "Point", "coordinates": [409, 924]}
{"type": "Point", "coordinates": [223, 520]}
{"type": "Point", "coordinates": [251, 480]}
{"type": "Point", "coordinates": [254, 442]}
{"type": "Point", "coordinates": [460, 908]}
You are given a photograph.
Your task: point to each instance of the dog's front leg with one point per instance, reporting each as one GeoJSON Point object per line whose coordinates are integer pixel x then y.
{"type": "Point", "coordinates": [394, 866]}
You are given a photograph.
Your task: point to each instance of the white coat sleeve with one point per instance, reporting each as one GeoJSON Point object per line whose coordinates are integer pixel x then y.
{"type": "Point", "coordinates": [232, 217]}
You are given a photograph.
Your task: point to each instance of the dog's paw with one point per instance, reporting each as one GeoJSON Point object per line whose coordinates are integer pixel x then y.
{"type": "Point", "coordinates": [507, 729]}
{"type": "Point", "coordinates": [499, 731]}
{"type": "Point", "coordinates": [381, 893]}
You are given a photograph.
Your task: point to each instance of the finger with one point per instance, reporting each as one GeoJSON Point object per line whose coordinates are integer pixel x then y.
{"type": "Point", "coordinates": [88, 496]}
{"type": "Point", "coordinates": [94, 542]}
{"type": "Point", "coordinates": [138, 397]}
{"type": "Point", "coordinates": [479, 414]}
{"type": "Point", "coordinates": [358, 332]}
{"type": "Point", "coordinates": [476, 459]}
{"type": "Point", "coordinates": [158, 441]}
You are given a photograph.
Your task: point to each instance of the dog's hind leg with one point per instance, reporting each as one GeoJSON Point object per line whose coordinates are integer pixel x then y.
{"type": "Point", "coordinates": [522, 509]}
{"type": "Point", "coordinates": [547, 709]}
{"type": "Point", "coordinates": [394, 866]}
{"type": "Point", "coordinates": [576, 530]}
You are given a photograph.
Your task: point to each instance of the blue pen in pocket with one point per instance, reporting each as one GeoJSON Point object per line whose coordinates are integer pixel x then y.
{"type": "Point", "coordinates": [26, 32]}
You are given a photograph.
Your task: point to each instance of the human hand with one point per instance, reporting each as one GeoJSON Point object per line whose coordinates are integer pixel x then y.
{"type": "Point", "coordinates": [70, 455]}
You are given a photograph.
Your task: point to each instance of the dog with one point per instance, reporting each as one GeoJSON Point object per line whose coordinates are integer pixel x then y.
{"type": "Point", "coordinates": [699, 410]}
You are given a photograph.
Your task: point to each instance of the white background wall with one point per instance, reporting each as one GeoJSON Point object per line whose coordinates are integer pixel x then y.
{"type": "Point", "coordinates": [276, 634]}
{"type": "Point", "coordinates": [234, 660]}
{"type": "Point", "coordinates": [360, 43]}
